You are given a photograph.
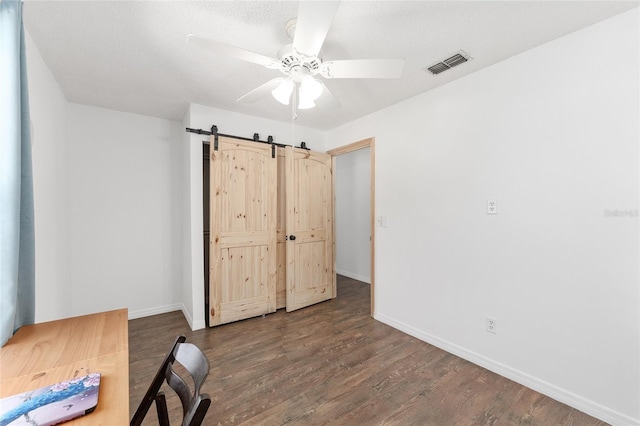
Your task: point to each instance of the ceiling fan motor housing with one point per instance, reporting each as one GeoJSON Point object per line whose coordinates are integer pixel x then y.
{"type": "Point", "coordinates": [297, 65]}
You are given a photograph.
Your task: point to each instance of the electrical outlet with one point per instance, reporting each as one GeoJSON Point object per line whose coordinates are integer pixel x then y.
{"type": "Point", "coordinates": [491, 325]}
{"type": "Point", "coordinates": [492, 207]}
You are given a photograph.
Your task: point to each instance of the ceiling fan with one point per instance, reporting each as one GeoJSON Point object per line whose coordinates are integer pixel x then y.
{"type": "Point", "coordinates": [300, 62]}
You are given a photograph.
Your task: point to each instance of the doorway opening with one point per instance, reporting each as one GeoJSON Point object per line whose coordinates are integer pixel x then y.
{"type": "Point", "coordinates": [362, 147]}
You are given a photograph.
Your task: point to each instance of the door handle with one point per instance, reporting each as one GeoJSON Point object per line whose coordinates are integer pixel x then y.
{"type": "Point", "coordinates": [292, 237]}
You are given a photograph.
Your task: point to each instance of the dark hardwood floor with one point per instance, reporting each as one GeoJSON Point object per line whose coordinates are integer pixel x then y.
{"type": "Point", "coordinates": [331, 363]}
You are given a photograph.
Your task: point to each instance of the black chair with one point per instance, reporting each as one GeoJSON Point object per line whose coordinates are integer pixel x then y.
{"type": "Point", "coordinates": [194, 404]}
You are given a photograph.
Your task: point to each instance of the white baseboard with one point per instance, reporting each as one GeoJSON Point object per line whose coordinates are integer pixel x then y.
{"type": "Point", "coordinates": [155, 311]}
{"type": "Point", "coordinates": [168, 308]}
{"type": "Point", "coordinates": [197, 325]}
{"type": "Point", "coordinates": [354, 276]}
{"type": "Point", "coordinates": [576, 401]}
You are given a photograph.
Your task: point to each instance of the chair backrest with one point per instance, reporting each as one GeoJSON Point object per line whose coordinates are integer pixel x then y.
{"type": "Point", "coordinates": [194, 404]}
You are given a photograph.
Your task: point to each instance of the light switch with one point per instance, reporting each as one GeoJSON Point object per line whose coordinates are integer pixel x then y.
{"type": "Point", "coordinates": [492, 207]}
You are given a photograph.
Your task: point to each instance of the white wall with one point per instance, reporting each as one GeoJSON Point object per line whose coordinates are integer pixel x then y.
{"type": "Point", "coordinates": [551, 134]}
{"type": "Point", "coordinates": [50, 149]}
{"type": "Point", "coordinates": [108, 205]}
{"type": "Point", "coordinates": [230, 123]}
{"type": "Point", "coordinates": [353, 214]}
{"type": "Point", "coordinates": [125, 211]}
{"type": "Point", "coordinates": [189, 270]}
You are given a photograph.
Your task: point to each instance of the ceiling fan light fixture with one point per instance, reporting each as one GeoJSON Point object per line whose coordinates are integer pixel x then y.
{"type": "Point", "coordinates": [310, 88]}
{"type": "Point", "coordinates": [282, 93]}
{"type": "Point", "coordinates": [306, 103]}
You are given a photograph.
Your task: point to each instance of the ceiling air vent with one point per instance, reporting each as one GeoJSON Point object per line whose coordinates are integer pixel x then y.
{"type": "Point", "coordinates": [457, 59]}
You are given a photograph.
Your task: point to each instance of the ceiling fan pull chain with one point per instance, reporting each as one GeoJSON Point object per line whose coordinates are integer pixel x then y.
{"type": "Point", "coordinates": [294, 102]}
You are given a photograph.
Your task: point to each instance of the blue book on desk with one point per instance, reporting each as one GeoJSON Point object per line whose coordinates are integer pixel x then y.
{"type": "Point", "coordinates": [53, 404]}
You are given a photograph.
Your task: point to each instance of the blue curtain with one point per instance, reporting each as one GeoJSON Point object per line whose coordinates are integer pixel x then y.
{"type": "Point", "coordinates": [17, 246]}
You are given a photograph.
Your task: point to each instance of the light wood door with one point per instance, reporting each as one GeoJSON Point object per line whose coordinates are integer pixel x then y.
{"type": "Point", "coordinates": [309, 228]}
{"type": "Point", "coordinates": [243, 230]}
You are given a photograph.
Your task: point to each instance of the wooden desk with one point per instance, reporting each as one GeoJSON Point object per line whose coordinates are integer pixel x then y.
{"type": "Point", "coordinates": [43, 354]}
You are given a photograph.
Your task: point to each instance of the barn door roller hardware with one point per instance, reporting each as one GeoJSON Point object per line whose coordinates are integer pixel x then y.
{"type": "Point", "coordinates": [256, 138]}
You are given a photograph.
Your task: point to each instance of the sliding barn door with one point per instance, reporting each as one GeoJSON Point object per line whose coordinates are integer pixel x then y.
{"type": "Point", "coordinates": [242, 279]}
{"type": "Point", "coordinates": [309, 228]}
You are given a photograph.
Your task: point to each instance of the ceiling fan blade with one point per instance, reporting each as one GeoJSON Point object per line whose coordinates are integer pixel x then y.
{"type": "Point", "coordinates": [326, 100]}
{"type": "Point", "coordinates": [363, 68]}
{"type": "Point", "coordinates": [232, 51]}
{"type": "Point", "coordinates": [261, 91]}
{"type": "Point", "coordinates": [312, 25]}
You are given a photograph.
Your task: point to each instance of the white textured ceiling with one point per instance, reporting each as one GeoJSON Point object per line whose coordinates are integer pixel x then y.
{"type": "Point", "coordinates": [132, 55]}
